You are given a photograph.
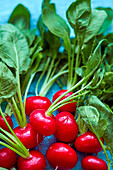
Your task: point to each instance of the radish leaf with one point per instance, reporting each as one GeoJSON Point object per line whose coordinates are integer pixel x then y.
{"type": "Point", "coordinates": [14, 50]}
{"type": "Point", "coordinates": [7, 82]}
{"type": "Point", "coordinates": [95, 24]}
{"type": "Point", "coordinates": [20, 17]}
{"type": "Point", "coordinates": [57, 26]}
{"type": "Point", "coordinates": [91, 113]}
{"type": "Point", "coordinates": [104, 114]}
{"type": "Point", "coordinates": [78, 14]}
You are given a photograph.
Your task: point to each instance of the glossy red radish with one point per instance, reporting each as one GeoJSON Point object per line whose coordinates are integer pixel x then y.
{"type": "Point", "coordinates": [88, 143]}
{"type": "Point", "coordinates": [8, 158]}
{"type": "Point", "coordinates": [41, 122]}
{"type": "Point", "coordinates": [62, 156]}
{"type": "Point", "coordinates": [36, 161]}
{"type": "Point", "coordinates": [67, 128]}
{"type": "Point", "coordinates": [71, 107]}
{"type": "Point", "coordinates": [36, 102]}
{"type": "Point", "coordinates": [28, 136]}
{"type": "Point", "coordinates": [93, 163]}
{"type": "Point", "coordinates": [3, 124]}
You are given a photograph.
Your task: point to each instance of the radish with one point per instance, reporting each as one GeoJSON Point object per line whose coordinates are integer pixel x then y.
{"type": "Point", "coordinates": [62, 156]}
{"type": "Point", "coordinates": [36, 102]}
{"type": "Point", "coordinates": [44, 124]}
{"type": "Point", "coordinates": [71, 107]}
{"type": "Point", "coordinates": [67, 128]}
{"type": "Point", "coordinates": [43, 120]}
{"type": "Point", "coordinates": [93, 163]}
{"type": "Point", "coordinates": [88, 143]}
{"type": "Point", "coordinates": [28, 136]}
{"type": "Point", "coordinates": [3, 124]}
{"type": "Point", "coordinates": [7, 158]}
{"type": "Point", "coordinates": [36, 161]}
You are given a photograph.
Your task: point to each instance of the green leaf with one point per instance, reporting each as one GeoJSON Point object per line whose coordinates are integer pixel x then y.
{"type": "Point", "coordinates": [89, 113]}
{"type": "Point", "coordinates": [87, 49]}
{"type": "Point", "coordinates": [57, 26]}
{"type": "Point", "coordinates": [47, 4]}
{"type": "Point", "coordinates": [14, 50]}
{"type": "Point", "coordinates": [95, 59]}
{"type": "Point", "coordinates": [97, 78]}
{"type": "Point", "coordinates": [78, 14]}
{"type": "Point", "coordinates": [41, 27]}
{"type": "Point", "coordinates": [108, 20]}
{"type": "Point", "coordinates": [35, 46]}
{"type": "Point", "coordinates": [104, 114]}
{"type": "Point", "coordinates": [101, 127]}
{"type": "Point", "coordinates": [95, 24]}
{"type": "Point", "coordinates": [54, 43]}
{"type": "Point", "coordinates": [80, 71]}
{"type": "Point", "coordinates": [7, 82]}
{"type": "Point", "coordinates": [30, 35]}
{"type": "Point", "coordinates": [20, 17]}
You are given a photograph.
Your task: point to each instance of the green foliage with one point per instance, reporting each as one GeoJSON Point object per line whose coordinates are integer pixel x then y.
{"type": "Point", "coordinates": [78, 15]}
{"type": "Point", "coordinates": [14, 50]}
{"type": "Point", "coordinates": [7, 83]}
{"type": "Point", "coordinates": [104, 114]}
{"type": "Point", "coordinates": [57, 26]}
{"type": "Point", "coordinates": [20, 17]}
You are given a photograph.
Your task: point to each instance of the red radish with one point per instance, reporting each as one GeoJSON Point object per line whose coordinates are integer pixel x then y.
{"type": "Point", "coordinates": [3, 124]}
{"type": "Point", "coordinates": [88, 143]}
{"type": "Point", "coordinates": [7, 158]}
{"type": "Point", "coordinates": [93, 163]}
{"type": "Point", "coordinates": [67, 128]}
{"type": "Point", "coordinates": [36, 102]}
{"type": "Point", "coordinates": [62, 156]}
{"type": "Point", "coordinates": [71, 107]}
{"type": "Point", "coordinates": [41, 122]}
{"type": "Point", "coordinates": [28, 136]}
{"type": "Point", "coordinates": [36, 161]}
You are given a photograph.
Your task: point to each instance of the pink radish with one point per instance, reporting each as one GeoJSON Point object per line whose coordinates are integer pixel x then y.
{"type": "Point", "coordinates": [3, 124]}
{"type": "Point", "coordinates": [28, 136]}
{"type": "Point", "coordinates": [71, 107]}
{"type": "Point", "coordinates": [93, 163]}
{"type": "Point", "coordinates": [62, 156]}
{"type": "Point", "coordinates": [7, 158]}
{"type": "Point", "coordinates": [41, 122]}
{"type": "Point", "coordinates": [36, 102]}
{"type": "Point", "coordinates": [67, 128]}
{"type": "Point", "coordinates": [36, 161]}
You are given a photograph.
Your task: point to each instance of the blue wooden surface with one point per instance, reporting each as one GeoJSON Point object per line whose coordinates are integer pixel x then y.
{"type": "Point", "coordinates": [34, 6]}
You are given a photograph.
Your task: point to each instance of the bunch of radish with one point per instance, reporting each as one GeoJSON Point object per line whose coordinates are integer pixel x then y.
{"type": "Point", "coordinates": [59, 155]}
{"type": "Point", "coordinates": [21, 52]}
